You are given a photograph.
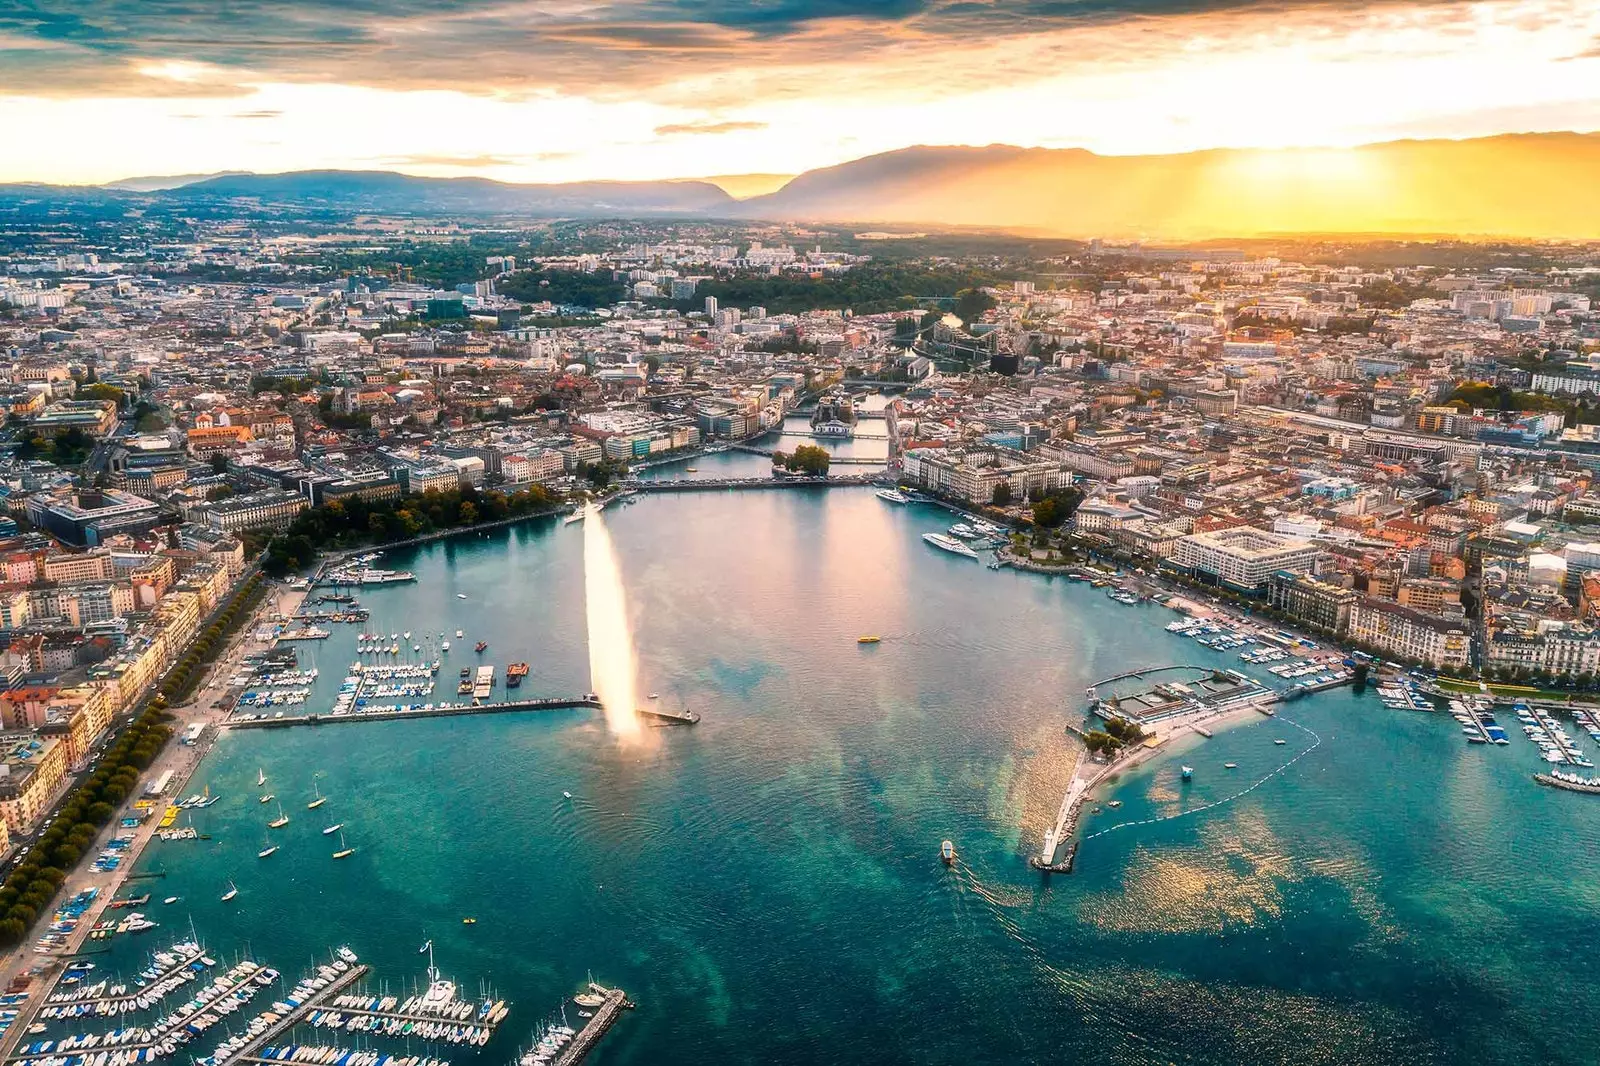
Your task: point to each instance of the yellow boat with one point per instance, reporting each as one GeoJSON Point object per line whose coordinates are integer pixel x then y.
{"type": "Point", "coordinates": [469, 921]}
{"type": "Point", "coordinates": [868, 640]}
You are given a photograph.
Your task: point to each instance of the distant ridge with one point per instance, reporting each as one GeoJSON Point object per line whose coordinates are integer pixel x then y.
{"type": "Point", "coordinates": [1516, 185]}
{"type": "Point", "coordinates": [382, 190]}
{"type": "Point", "coordinates": [1528, 185]}
{"type": "Point", "coordinates": [156, 183]}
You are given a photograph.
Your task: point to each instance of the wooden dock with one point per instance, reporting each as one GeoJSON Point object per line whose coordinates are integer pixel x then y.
{"type": "Point", "coordinates": [604, 1017]}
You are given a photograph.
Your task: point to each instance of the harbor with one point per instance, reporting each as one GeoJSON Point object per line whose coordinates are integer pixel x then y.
{"type": "Point", "coordinates": [661, 716]}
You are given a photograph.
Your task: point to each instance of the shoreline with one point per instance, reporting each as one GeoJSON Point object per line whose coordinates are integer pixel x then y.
{"type": "Point", "coordinates": [183, 760]}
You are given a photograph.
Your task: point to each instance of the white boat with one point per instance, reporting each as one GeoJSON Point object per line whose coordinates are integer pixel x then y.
{"type": "Point", "coordinates": [445, 646]}
{"type": "Point", "coordinates": [459, 634]}
{"type": "Point", "coordinates": [267, 851]}
{"type": "Point", "coordinates": [280, 821]}
{"type": "Point", "coordinates": [949, 544]}
{"type": "Point", "coordinates": [233, 890]}
{"type": "Point", "coordinates": [566, 795]}
{"type": "Point", "coordinates": [894, 496]}
{"type": "Point", "coordinates": [170, 900]}
{"type": "Point", "coordinates": [332, 829]}
{"type": "Point", "coordinates": [261, 777]}
{"type": "Point", "coordinates": [461, 595]}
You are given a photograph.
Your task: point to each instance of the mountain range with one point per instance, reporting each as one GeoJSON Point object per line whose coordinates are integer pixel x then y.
{"type": "Point", "coordinates": [1515, 185]}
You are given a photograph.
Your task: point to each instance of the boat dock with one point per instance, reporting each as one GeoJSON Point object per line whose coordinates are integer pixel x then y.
{"type": "Point", "coordinates": [1570, 782]}
{"type": "Point", "coordinates": [605, 1016]}
{"type": "Point", "coordinates": [556, 703]}
{"type": "Point", "coordinates": [278, 1024]}
{"type": "Point", "coordinates": [78, 1001]}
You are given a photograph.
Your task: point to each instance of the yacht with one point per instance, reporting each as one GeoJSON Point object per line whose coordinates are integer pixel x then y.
{"type": "Point", "coordinates": [964, 531]}
{"type": "Point", "coordinates": [893, 496]}
{"type": "Point", "coordinates": [445, 646]}
{"type": "Point", "coordinates": [319, 801]}
{"type": "Point", "coordinates": [566, 795]}
{"type": "Point", "coordinates": [266, 852]}
{"type": "Point", "coordinates": [461, 595]}
{"type": "Point", "coordinates": [458, 634]}
{"type": "Point", "coordinates": [949, 544]}
{"type": "Point", "coordinates": [268, 798]}
{"type": "Point", "coordinates": [261, 777]}
{"type": "Point", "coordinates": [233, 890]}
{"type": "Point", "coordinates": [344, 852]}
{"type": "Point", "coordinates": [947, 853]}
{"type": "Point", "coordinates": [280, 821]}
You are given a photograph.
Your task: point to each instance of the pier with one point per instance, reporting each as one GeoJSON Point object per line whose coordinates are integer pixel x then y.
{"type": "Point", "coordinates": [556, 703]}
{"type": "Point", "coordinates": [279, 1024]}
{"type": "Point", "coordinates": [604, 1017]}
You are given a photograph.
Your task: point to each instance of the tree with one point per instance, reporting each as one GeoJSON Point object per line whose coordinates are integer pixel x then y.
{"type": "Point", "coordinates": [1002, 495]}
{"type": "Point", "coordinates": [219, 463]}
{"type": "Point", "coordinates": [806, 459]}
{"type": "Point", "coordinates": [971, 304]}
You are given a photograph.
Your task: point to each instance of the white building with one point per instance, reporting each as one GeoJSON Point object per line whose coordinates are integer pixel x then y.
{"type": "Point", "coordinates": [1244, 557]}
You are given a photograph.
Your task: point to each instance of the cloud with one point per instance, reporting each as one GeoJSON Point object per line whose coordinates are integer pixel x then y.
{"type": "Point", "coordinates": [678, 129]}
{"type": "Point", "coordinates": [463, 162]}
{"type": "Point", "coordinates": [589, 47]}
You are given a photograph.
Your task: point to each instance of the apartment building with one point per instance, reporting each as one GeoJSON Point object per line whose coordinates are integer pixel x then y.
{"type": "Point", "coordinates": [1244, 557]}
{"type": "Point", "coordinates": [1407, 633]}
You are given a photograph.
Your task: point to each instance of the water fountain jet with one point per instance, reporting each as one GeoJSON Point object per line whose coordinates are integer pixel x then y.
{"type": "Point", "coordinates": [613, 665]}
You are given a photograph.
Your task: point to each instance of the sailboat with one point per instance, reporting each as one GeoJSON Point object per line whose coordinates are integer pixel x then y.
{"type": "Point", "coordinates": [268, 798]}
{"type": "Point", "coordinates": [343, 852]}
{"type": "Point", "coordinates": [261, 777]}
{"type": "Point", "coordinates": [267, 849]}
{"type": "Point", "coordinates": [280, 821]}
{"type": "Point", "coordinates": [233, 890]}
{"type": "Point", "coordinates": [319, 801]}
{"type": "Point", "coordinates": [332, 829]}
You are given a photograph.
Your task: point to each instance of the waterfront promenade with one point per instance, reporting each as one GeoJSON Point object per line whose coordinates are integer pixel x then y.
{"type": "Point", "coordinates": [553, 703]}
{"type": "Point", "coordinates": [181, 760]}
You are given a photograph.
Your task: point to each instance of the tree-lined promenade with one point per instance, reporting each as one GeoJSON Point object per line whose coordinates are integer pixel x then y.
{"type": "Point", "coordinates": [29, 890]}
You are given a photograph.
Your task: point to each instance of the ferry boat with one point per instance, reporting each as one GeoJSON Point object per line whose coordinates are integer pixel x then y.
{"type": "Point", "coordinates": [947, 853]}
{"type": "Point", "coordinates": [949, 544]}
{"type": "Point", "coordinates": [893, 496]}
{"type": "Point", "coordinates": [868, 640]}
{"type": "Point", "coordinates": [515, 673]}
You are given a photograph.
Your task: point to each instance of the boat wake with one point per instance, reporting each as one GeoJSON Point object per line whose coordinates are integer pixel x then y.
{"type": "Point", "coordinates": [1316, 741]}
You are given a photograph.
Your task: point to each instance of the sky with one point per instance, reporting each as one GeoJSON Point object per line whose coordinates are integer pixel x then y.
{"type": "Point", "coordinates": [97, 90]}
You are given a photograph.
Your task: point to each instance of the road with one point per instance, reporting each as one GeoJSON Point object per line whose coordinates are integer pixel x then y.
{"type": "Point", "coordinates": [182, 760]}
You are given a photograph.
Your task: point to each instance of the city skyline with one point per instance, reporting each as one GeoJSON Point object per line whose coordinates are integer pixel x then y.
{"type": "Point", "coordinates": [551, 93]}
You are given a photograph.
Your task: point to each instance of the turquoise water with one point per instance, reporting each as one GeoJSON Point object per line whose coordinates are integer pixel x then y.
{"type": "Point", "coordinates": [767, 885]}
